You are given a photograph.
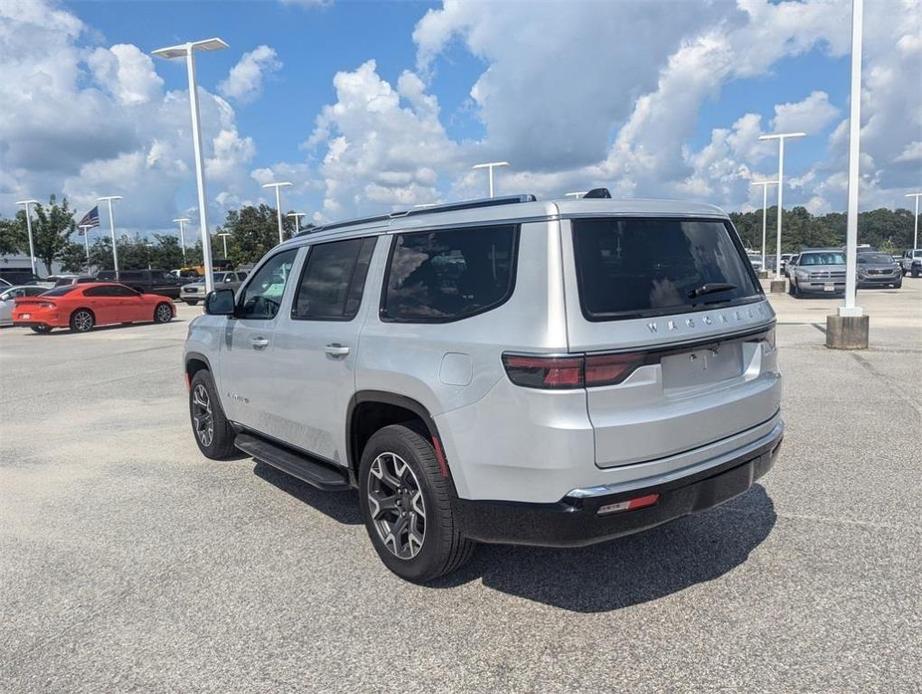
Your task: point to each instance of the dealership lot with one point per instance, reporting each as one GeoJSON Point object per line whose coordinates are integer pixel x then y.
{"type": "Point", "coordinates": [129, 561]}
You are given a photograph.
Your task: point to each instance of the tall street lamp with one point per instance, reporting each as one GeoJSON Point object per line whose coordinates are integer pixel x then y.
{"type": "Point", "coordinates": [781, 137]}
{"type": "Point", "coordinates": [490, 166]}
{"type": "Point", "coordinates": [224, 236]}
{"type": "Point", "coordinates": [26, 203]}
{"type": "Point", "coordinates": [182, 236]}
{"type": "Point", "coordinates": [187, 51]}
{"type": "Point", "coordinates": [86, 242]}
{"type": "Point", "coordinates": [297, 217]}
{"type": "Point", "coordinates": [765, 185]}
{"type": "Point", "coordinates": [278, 201]}
{"type": "Point", "coordinates": [108, 200]}
{"type": "Point", "coordinates": [915, 220]}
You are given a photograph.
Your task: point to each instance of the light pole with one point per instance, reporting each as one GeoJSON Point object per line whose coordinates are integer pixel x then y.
{"type": "Point", "coordinates": [297, 216]}
{"type": "Point", "coordinates": [86, 242]}
{"type": "Point", "coordinates": [765, 185]}
{"type": "Point", "coordinates": [26, 203]}
{"type": "Point", "coordinates": [224, 236]}
{"type": "Point", "coordinates": [182, 236]}
{"type": "Point", "coordinates": [187, 51]}
{"type": "Point", "coordinates": [781, 138]}
{"type": "Point", "coordinates": [150, 253]}
{"type": "Point", "coordinates": [577, 194]}
{"type": "Point", "coordinates": [490, 166]}
{"type": "Point", "coordinates": [278, 201]}
{"type": "Point", "coordinates": [915, 220]}
{"type": "Point", "coordinates": [108, 200]}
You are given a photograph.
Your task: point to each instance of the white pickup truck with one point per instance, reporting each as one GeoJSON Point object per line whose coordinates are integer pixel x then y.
{"type": "Point", "coordinates": [911, 262]}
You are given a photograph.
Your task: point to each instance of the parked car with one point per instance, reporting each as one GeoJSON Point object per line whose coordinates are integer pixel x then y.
{"type": "Point", "coordinates": [18, 276]}
{"type": "Point", "coordinates": [194, 292]}
{"type": "Point", "coordinates": [8, 297]}
{"type": "Point", "coordinates": [548, 373]}
{"type": "Point", "coordinates": [81, 307]}
{"type": "Point", "coordinates": [755, 259]}
{"type": "Point", "coordinates": [912, 262]}
{"type": "Point", "coordinates": [154, 281]}
{"type": "Point", "coordinates": [64, 280]}
{"type": "Point", "coordinates": [790, 264]}
{"type": "Point", "coordinates": [878, 270]}
{"type": "Point", "coordinates": [785, 257]}
{"type": "Point", "coordinates": [818, 271]}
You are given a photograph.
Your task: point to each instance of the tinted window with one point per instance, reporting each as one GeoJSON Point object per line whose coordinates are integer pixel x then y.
{"type": "Point", "coordinates": [131, 275]}
{"type": "Point", "coordinates": [263, 294]}
{"type": "Point", "coordinates": [60, 291]}
{"type": "Point", "coordinates": [105, 275]}
{"type": "Point", "coordinates": [634, 267]}
{"type": "Point", "coordinates": [97, 291]}
{"type": "Point", "coordinates": [218, 276]}
{"type": "Point", "coordinates": [829, 258]}
{"type": "Point", "coordinates": [333, 279]}
{"type": "Point", "coordinates": [438, 276]}
{"type": "Point", "coordinates": [119, 290]}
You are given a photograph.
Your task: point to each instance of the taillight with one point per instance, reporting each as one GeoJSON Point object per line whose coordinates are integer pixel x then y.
{"type": "Point", "coordinates": [46, 304]}
{"type": "Point", "coordinates": [555, 373]}
{"type": "Point", "coordinates": [544, 372]}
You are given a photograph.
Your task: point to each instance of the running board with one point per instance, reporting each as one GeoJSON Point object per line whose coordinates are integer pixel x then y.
{"type": "Point", "coordinates": [316, 474]}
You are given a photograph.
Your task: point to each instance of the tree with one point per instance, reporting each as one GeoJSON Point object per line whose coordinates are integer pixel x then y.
{"type": "Point", "coordinates": [13, 238]}
{"type": "Point", "coordinates": [51, 229]}
{"type": "Point", "coordinates": [253, 231]}
{"type": "Point", "coordinates": [73, 257]}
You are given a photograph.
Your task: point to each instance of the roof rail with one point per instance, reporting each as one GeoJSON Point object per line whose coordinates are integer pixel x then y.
{"type": "Point", "coordinates": [433, 209]}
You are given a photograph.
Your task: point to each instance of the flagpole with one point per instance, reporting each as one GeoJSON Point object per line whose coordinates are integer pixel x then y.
{"type": "Point", "coordinates": [86, 242]}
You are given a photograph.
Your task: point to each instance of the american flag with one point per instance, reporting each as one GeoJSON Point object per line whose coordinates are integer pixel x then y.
{"type": "Point", "coordinates": [90, 219]}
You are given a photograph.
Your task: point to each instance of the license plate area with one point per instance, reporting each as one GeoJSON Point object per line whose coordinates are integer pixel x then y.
{"type": "Point", "coordinates": [829, 287]}
{"type": "Point", "coordinates": [712, 364]}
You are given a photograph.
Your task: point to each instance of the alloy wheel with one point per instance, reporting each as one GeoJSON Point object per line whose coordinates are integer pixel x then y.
{"type": "Point", "coordinates": [202, 418]}
{"type": "Point", "coordinates": [163, 313]}
{"type": "Point", "coordinates": [83, 321]}
{"type": "Point", "coordinates": [396, 503]}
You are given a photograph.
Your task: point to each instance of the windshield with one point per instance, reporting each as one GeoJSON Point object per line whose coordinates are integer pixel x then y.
{"type": "Point", "coordinates": [875, 259]}
{"type": "Point", "coordinates": [637, 267]}
{"type": "Point", "coordinates": [825, 258]}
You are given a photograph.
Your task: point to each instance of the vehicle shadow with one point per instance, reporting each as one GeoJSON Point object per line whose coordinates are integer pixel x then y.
{"type": "Point", "coordinates": [340, 506]}
{"type": "Point", "coordinates": [101, 328]}
{"type": "Point", "coordinates": [629, 570]}
{"type": "Point", "coordinates": [600, 578]}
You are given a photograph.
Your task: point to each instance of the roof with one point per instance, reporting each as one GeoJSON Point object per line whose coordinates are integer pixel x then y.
{"type": "Point", "coordinates": [516, 209]}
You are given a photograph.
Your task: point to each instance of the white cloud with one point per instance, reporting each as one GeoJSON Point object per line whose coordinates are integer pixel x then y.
{"type": "Point", "coordinates": [245, 80]}
{"type": "Point", "coordinates": [811, 115]}
{"type": "Point", "coordinates": [382, 145]}
{"type": "Point", "coordinates": [126, 72]}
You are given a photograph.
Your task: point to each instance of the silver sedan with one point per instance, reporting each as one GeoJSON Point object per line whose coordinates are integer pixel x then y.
{"type": "Point", "coordinates": [8, 299]}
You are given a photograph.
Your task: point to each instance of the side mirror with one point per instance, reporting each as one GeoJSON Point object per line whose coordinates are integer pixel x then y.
{"type": "Point", "coordinates": [220, 302]}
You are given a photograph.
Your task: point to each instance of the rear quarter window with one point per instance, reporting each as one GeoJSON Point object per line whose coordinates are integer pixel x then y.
{"type": "Point", "coordinates": [447, 275]}
{"type": "Point", "coordinates": [636, 267]}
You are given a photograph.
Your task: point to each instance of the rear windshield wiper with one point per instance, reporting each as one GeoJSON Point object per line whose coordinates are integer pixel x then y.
{"type": "Point", "coordinates": [710, 288]}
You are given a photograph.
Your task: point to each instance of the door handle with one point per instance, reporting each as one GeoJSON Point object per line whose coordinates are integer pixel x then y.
{"type": "Point", "coordinates": [259, 342]}
{"type": "Point", "coordinates": [336, 350]}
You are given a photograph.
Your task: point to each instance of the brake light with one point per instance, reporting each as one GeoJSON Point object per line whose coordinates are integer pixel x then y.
{"type": "Point", "coordinates": [555, 373]}
{"type": "Point", "coordinates": [544, 372]}
{"type": "Point", "coordinates": [46, 304]}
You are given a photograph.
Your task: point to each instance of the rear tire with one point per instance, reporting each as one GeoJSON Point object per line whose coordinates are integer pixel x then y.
{"type": "Point", "coordinates": [163, 313]}
{"type": "Point", "coordinates": [191, 302]}
{"type": "Point", "coordinates": [213, 433]}
{"type": "Point", "coordinates": [82, 321]}
{"type": "Point", "coordinates": [413, 529]}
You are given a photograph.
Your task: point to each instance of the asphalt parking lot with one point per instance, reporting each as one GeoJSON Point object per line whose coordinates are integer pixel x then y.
{"type": "Point", "coordinates": [130, 562]}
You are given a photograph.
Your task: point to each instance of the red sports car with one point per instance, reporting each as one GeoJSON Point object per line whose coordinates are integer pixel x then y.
{"type": "Point", "coordinates": [83, 306]}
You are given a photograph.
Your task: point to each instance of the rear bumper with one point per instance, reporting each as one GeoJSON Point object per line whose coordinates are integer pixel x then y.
{"type": "Point", "coordinates": [575, 521]}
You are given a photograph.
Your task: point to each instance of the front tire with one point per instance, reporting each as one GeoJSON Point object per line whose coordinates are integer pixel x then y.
{"type": "Point", "coordinates": [82, 321]}
{"type": "Point", "coordinates": [406, 504]}
{"type": "Point", "coordinates": [213, 433]}
{"type": "Point", "coordinates": [163, 313]}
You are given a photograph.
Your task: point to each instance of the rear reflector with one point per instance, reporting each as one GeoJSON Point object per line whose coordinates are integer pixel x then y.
{"type": "Point", "coordinates": [536, 371]}
{"type": "Point", "coordinates": [629, 505]}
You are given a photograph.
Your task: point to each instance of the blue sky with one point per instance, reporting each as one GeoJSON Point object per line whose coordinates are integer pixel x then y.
{"type": "Point", "coordinates": [398, 99]}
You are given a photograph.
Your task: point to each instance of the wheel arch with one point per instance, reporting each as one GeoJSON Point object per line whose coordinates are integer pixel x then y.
{"type": "Point", "coordinates": [370, 410]}
{"type": "Point", "coordinates": [82, 308]}
{"type": "Point", "coordinates": [195, 362]}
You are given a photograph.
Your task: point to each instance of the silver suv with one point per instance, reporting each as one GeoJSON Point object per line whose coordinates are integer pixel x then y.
{"type": "Point", "coordinates": [547, 373]}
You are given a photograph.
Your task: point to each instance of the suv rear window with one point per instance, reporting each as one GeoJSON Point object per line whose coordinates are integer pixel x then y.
{"type": "Point", "coordinates": [442, 276]}
{"type": "Point", "coordinates": [630, 268]}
